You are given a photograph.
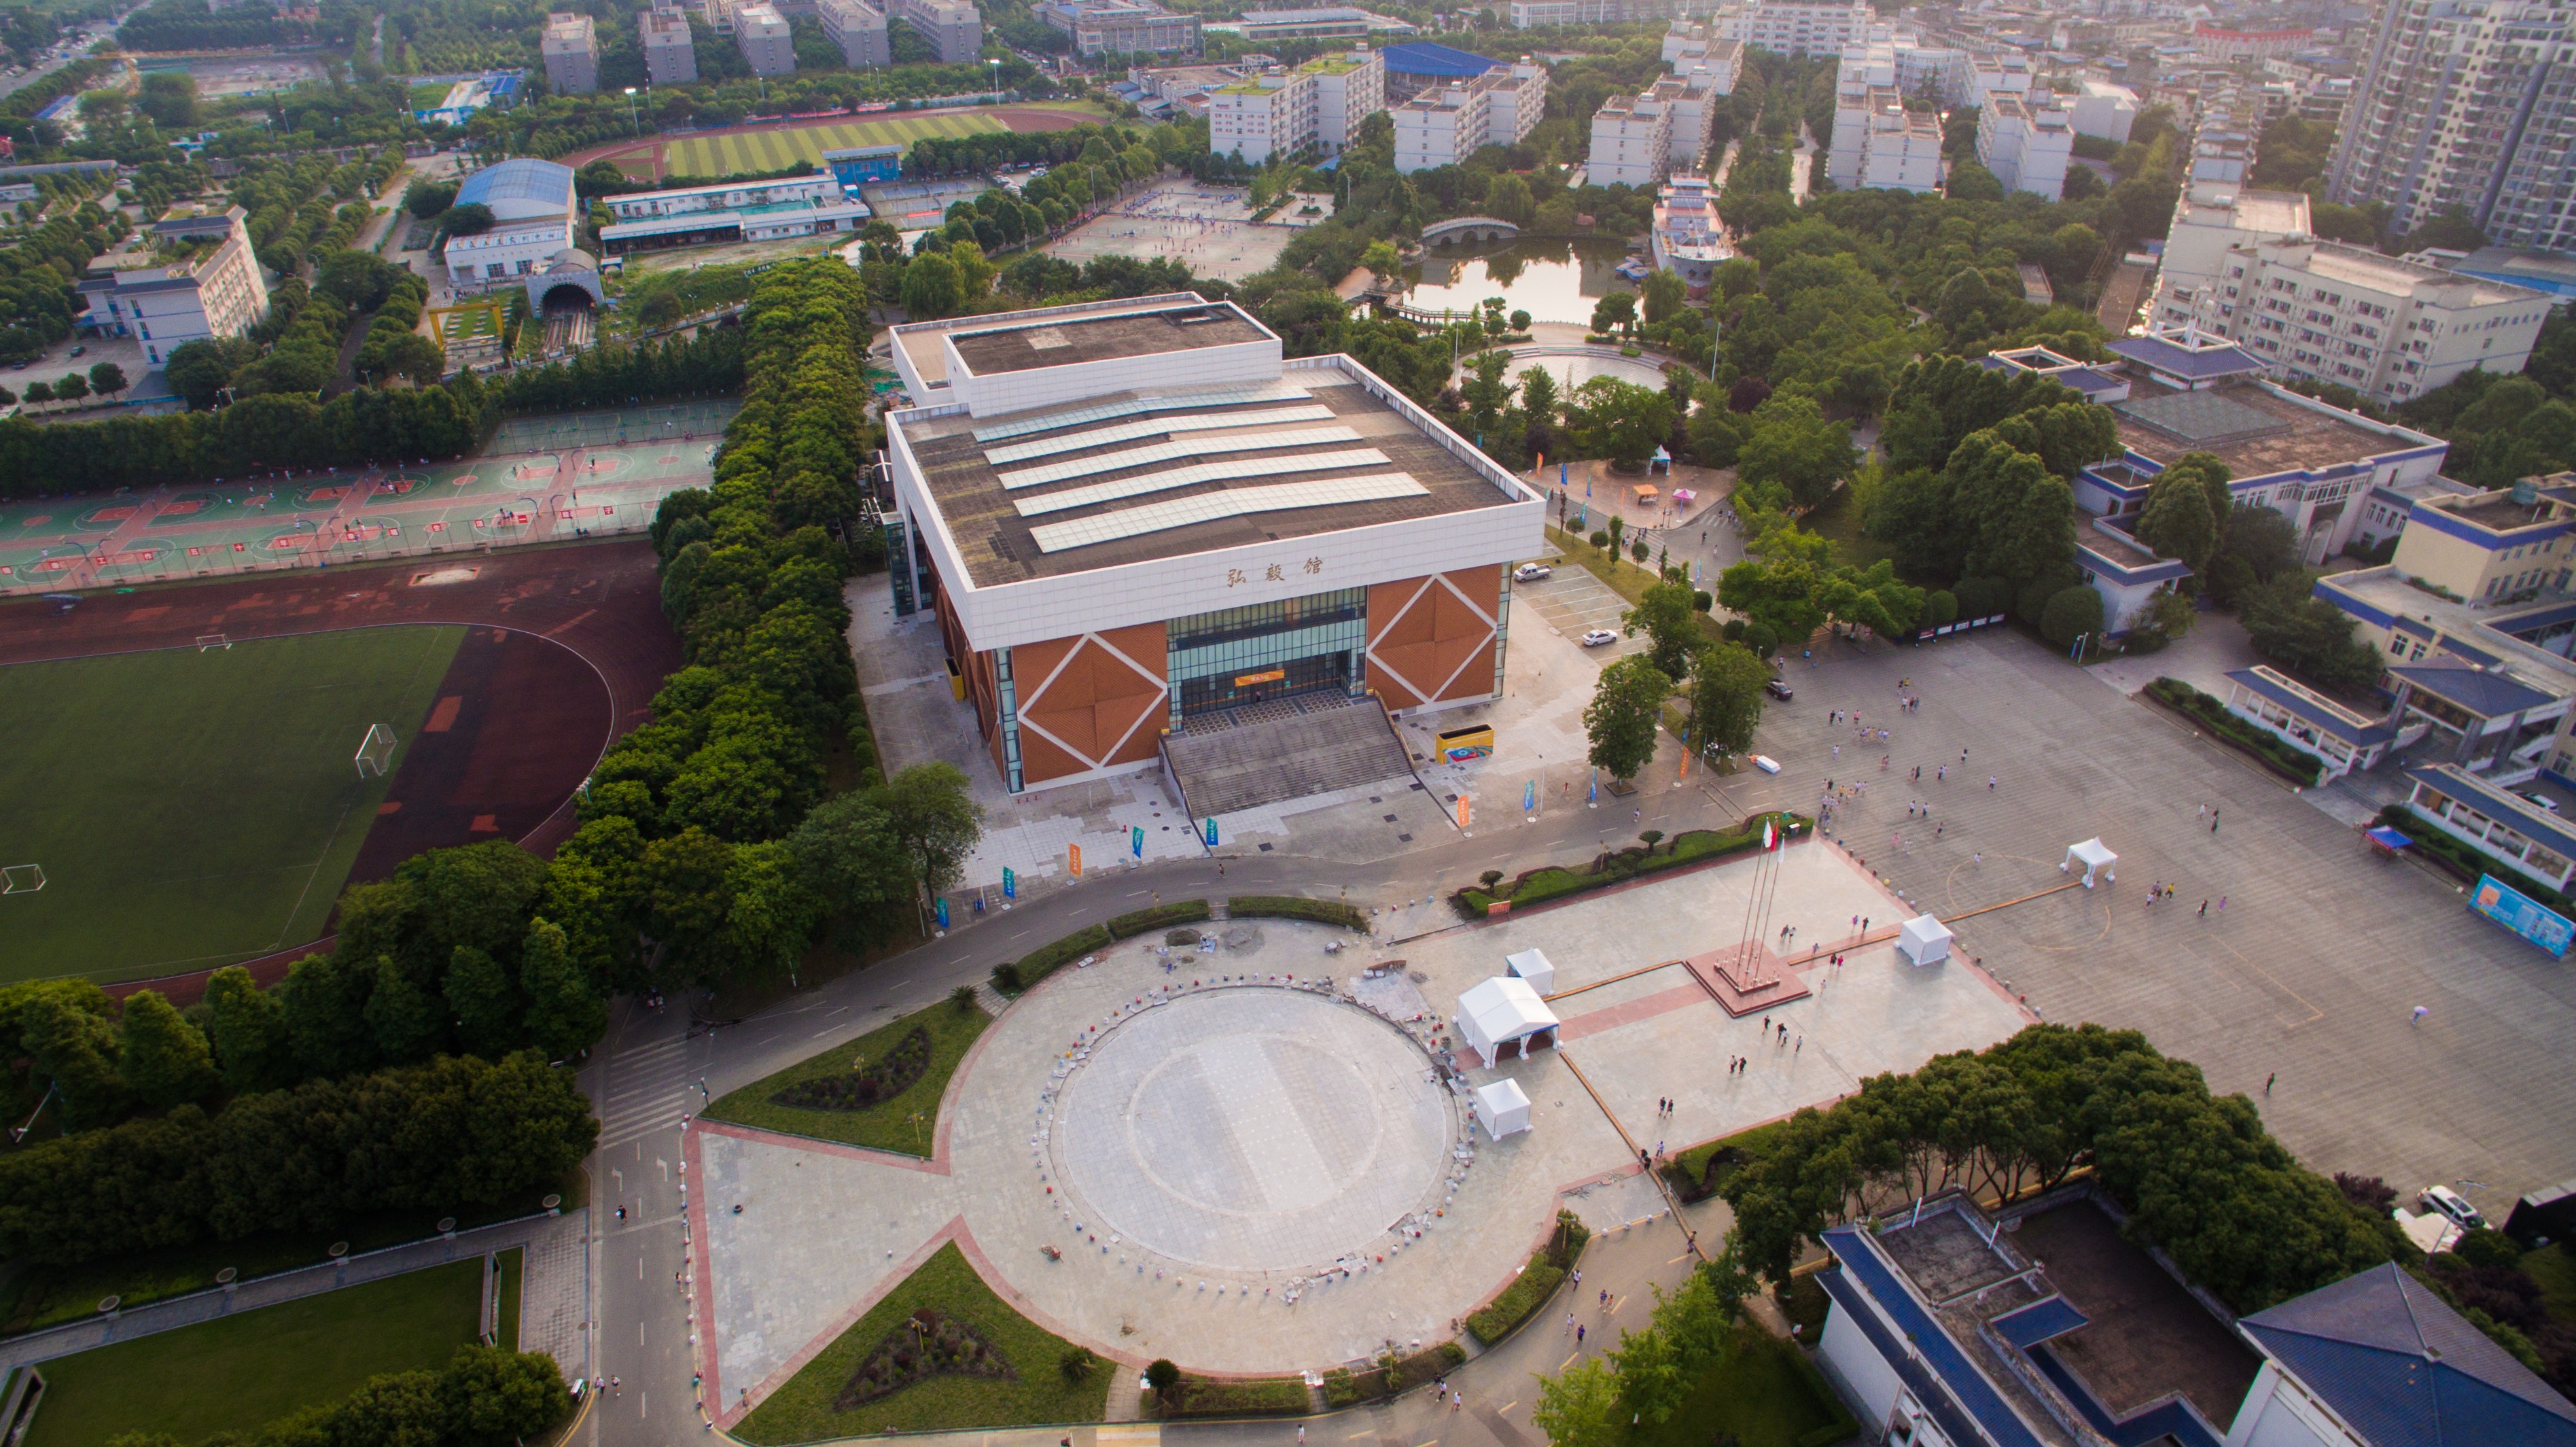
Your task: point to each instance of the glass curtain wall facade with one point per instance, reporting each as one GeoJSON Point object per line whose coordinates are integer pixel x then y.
{"type": "Point", "coordinates": [1267, 650]}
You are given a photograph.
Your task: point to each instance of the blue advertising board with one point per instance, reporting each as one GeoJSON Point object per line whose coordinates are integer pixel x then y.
{"type": "Point", "coordinates": [2523, 915]}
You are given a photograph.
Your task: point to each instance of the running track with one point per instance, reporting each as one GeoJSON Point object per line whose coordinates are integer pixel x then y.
{"type": "Point", "coordinates": [601, 600]}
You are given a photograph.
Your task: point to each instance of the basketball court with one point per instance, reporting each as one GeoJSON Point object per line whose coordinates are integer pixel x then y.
{"type": "Point", "coordinates": [543, 478]}
{"type": "Point", "coordinates": [1210, 227]}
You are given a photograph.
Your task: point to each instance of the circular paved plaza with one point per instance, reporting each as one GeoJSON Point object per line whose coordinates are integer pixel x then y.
{"type": "Point", "coordinates": [1253, 1129]}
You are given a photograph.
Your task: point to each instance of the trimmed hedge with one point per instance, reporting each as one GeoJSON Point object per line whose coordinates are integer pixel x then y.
{"type": "Point", "coordinates": [1346, 1388]}
{"type": "Point", "coordinates": [2467, 860]}
{"type": "Point", "coordinates": [1287, 906]}
{"type": "Point", "coordinates": [1011, 977]}
{"type": "Point", "coordinates": [1618, 866]}
{"type": "Point", "coordinates": [1161, 916]}
{"type": "Point", "coordinates": [2269, 749]}
{"type": "Point", "coordinates": [1214, 1397]}
{"type": "Point", "coordinates": [1536, 1283]}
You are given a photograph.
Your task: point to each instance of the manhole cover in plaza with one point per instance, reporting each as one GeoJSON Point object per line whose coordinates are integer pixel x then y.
{"type": "Point", "coordinates": [1253, 1129]}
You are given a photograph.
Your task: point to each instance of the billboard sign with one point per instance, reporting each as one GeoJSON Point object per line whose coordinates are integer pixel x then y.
{"type": "Point", "coordinates": [2523, 915]}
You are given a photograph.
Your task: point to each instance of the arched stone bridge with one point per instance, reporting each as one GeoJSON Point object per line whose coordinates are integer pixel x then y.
{"type": "Point", "coordinates": [1469, 228]}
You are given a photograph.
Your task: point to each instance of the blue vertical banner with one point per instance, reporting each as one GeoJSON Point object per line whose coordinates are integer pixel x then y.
{"type": "Point", "coordinates": [1211, 831]}
{"type": "Point", "coordinates": [1594, 796]}
{"type": "Point", "coordinates": [1529, 797]}
{"type": "Point", "coordinates": [939, 909]}
{"type": "Point", "coordinates": [1010, 883]}
{"type": "Point", "coordinates": [1136, 840]}
{"type": "Point", "coordinates": [1560, 480]}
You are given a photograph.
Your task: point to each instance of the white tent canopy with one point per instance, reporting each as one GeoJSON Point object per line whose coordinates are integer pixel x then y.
{"type": "Point", "coordinates": [1923, 940]}
{"type": "Point", "coordinates": [1502, 1108]}
{"type": "Point", "coordinates": [1504, 1011]}
{"type": "Point", "coordinates": [1533, 966]}
{"type": "Point", "coordinates": [2093, 855]}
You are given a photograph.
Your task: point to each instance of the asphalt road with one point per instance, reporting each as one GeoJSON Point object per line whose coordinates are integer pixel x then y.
{"type": "Point", "coordinates": [656, 1063]}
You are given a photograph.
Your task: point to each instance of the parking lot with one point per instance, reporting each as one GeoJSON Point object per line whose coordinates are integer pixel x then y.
{"type": "Point", "coordinates": [1573, 602]}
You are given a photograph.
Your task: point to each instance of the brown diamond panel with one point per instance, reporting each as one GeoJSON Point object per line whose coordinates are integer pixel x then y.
{"type": "Point", "coordinates": [1098, 704]}
{"type": "Point", "coordinates": [1427, 642]}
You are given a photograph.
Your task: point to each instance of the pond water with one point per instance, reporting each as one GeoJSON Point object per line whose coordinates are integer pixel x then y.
{"type": "Point", "coordinates": [1554, 281]}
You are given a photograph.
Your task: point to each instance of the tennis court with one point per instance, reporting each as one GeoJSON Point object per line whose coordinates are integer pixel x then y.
{"type": "Point", "coordinates": [542, 478]}
{"type": "Point", "coordinates": [190, 807]}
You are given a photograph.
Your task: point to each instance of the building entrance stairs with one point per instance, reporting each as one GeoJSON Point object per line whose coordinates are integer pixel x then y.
{"type": "Point", "coordinates": [1267, 753]}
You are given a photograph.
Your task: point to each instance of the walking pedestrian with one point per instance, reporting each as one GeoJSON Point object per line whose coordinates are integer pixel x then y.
{"type": "Point", "coordinates": [2418, 1017]}
{"type": "Point", "coordinates": [2222, 904]}
{"type": "Point", "coordinates": [2213, 821]}
{"type": "Point", "coordinates": [1301, 1435]}
{"type": "Point", "coordinates": [1578, 1336]}
{"type": "Point", "coordinates": [2267, 1081]}
{"type": "Point", "coordinates": [2204, 909]}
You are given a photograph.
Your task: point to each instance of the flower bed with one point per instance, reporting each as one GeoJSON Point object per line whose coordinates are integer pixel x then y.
{"type": "Point", "coordinates": [884, 1078]}
{"type": "Point", "coordinates": [1282, 906]}
{"type": "Point", "coordinates": [1536, 1283]}
{"type": "Point", "coordinates": [2267, 748]}
{"type": "Point", "coordinates": [1391, 1378]}
{"type": "Point", "coordinates": [1618, 866]}
{"type": "Point", "coordinates": [929, 1343]}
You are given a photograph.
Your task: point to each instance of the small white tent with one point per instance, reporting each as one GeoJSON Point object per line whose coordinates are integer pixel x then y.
{"type": "Point", "coordinates": [1504, 1011]}
{"type": "Point", "coordinates": [1923, 940]}
{"type": "Point", "coordinates": [2093, 854]}
{"type": "Point", "coordinates": [1502, 1108]}
{"type": "Point", "coordinates": [1533, 966]}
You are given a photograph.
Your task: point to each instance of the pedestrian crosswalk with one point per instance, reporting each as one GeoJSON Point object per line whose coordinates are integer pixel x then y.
{"type": "Point", "coordinates": [649, 1089]}
{"type": "Point", "coordinates": [1127, 1434]}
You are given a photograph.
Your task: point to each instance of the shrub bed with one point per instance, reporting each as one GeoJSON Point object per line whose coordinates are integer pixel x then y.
{"type": "Point", "coordinates": [1536, 1283]}
{"type": "Point", "coordinates": [1698, 1173]}
{"type": "Point", "coordinates": [1284, 906]}
{"type": "Point", "coordinates": [929, 1343]}
{"type": "Point", "coordinates": [1179, 911]}
{"type": "Point", "coordinates": [1252, 1397]}
{"type": "Point", "coordinates": [1391, 1378]}
{"type": "Point", "coordinates": [1618, 866]}
{"type": "Point", "coordinates": [888, 1076]}
{"type": "Point", "coordinates": [1013, 976]}
{"type": "Point", "coordinates": [2209, 713]}
{"type": "Point", "coordinates": [2467, 861]}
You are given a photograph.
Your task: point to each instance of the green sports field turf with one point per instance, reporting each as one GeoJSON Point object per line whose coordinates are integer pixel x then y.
{"type": "Point", "coordinates": [236, 1373]}
{"type": "Point", "coordinates": [773, 150]}
{"type": "Point", "coordinates": [193, 809]}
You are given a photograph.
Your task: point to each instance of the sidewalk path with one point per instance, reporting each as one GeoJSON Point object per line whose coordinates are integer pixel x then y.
{"type": "Point", "coordinates": [554, 1288]}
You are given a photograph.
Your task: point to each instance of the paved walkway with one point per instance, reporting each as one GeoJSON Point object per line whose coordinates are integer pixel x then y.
{"type": "Point", "coordinates": [555, 1286]}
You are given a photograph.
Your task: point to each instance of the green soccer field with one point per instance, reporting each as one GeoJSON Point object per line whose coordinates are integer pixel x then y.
{"type": "Point", "coordinates": [193, 809]}
{"type": "Point", "coordinates": [775, 150]}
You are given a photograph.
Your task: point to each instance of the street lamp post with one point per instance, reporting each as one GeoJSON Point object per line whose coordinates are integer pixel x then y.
{"type": "Point", "coordinates": [993, 70]}
{"type": "Point", "coordinates": [631, 122]}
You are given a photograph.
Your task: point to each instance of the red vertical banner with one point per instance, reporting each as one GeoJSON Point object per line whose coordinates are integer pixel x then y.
{"type": "Point", "coordinates": [1462, 811]}
{"type": "Point", "coordinates": [1074, 852]}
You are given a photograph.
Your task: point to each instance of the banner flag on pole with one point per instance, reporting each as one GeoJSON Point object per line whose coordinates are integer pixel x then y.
{"type": "Point", "coordinates": [1010, 883]}
{"type": "Point", "coordinates": [1136, 840]}
{"type": "Point", "coordinates": [1074, 851]}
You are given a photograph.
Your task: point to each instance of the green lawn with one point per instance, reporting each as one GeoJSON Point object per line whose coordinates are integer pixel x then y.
{"type": "Point", "coordinates": [2555, 1269]}
{"type": "Point", "coordinates": [193, 809]}
{"type": "Point", "coordinates": [1763, 1392]}
{"type": "Point", "coordinates": [887, 1125]}
{"type": "Point", "coordinates": [777, 149]}
{"type": "Point", "coordinates": [1839, 521]}
{"type": "Point", "coordinates": [802, 1410]}
{"type": "Point", "coordinates": [237, 1372]}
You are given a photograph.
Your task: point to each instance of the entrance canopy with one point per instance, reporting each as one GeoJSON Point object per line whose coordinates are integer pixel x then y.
{"type": "Point", "coordinates": [1505, 1011]}
{"type": "Point", "coordinates": [1923, 940]}
{"type": "Point", "coordinates": [1502, 1108]}
{"type": "Point", "coordinates": [2093, 855]}
{"type": "Point", "coordinates": [1533, 966]}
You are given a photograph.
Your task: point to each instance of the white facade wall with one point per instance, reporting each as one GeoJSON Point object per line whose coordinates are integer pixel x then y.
{"type": "Point", "coordinates": [1445, 126]}
{"type": "Point", "coordinates": [571, 50]}
{"type": "Point", "coordinates": [1632, 142]}
{"type": "Point", "coordinates": [2106, 110]}
{"type": "Point", "coordinates": [2027, 147]}
{"type": "Point", "coordinates": [2208, 222]}
{"type": "Point", "coordinates": [1266, 114]}
{"type": "Point", "coordinates": [1797, 27]}
{"type": "Point", "coordinates": [858, 29]}
{"type": "Point", "coordinates": [2278, 1412]}
{"type": "Point", "coordinates": [1862, 1372]}
{"type": "Point", "coordinates": [670, 55]}
{"type": "Point", "coordinates": [1345, 95]}
{"type": "Point", "coordinates": [511, 249]}
{"type": "Point", "coordinates": [761, 33]}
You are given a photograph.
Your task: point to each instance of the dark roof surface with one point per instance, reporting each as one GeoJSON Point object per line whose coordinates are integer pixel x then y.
{"type": "Point", "coordinates": [2180, 361]}
{"type": "Point", "coordinates": [2337, 722]}
{"type": "Point", "coordinates": [2481, 691]}
{"type": "Point", "coordinates": [1421, 57]}
{"type": "Point", "coordinates": [1094, 339]}
{"type": "Point", "coordinates": [2396, 1362]}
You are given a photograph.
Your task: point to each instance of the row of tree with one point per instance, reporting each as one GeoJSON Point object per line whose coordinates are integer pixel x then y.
{"type": "Point", "coordinates": [454, 1134]}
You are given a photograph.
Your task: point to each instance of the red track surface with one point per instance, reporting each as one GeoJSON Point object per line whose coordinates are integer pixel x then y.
{"type": "Point", "coordinates": [534, 716]}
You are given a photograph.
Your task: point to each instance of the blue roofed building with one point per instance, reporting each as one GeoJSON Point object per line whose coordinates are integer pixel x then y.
{"type": "Point", "coordinates": [2377, 1360]}
{"type": "Point", "coordinates": [530, 242]}
{"type": "Point", "coordinates": [1419, 65]}
{"type": "Point", "coordinates": [2343, 738]}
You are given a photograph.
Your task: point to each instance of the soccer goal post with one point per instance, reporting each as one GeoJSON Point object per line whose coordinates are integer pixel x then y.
{"type": "Point", "coordinates": [376, 753]}
{"type": "Point", "coordinates": [21, 879]}
{"type": "Point", "coordinates": [207, 642]}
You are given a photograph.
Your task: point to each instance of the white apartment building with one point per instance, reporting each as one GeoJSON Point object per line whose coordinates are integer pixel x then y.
{"type": "Point", "coordinates": [2209, 221]}
{"type": "Point", "coordinates": [1632, 141]}
{"type": "Point", "coordinates": [214, 291]}
{"type": "Point", "coordinates": [1690, 49]}
{"type": "Point", "coordinates": [1320, 103]}
{"type": "Point", "coordinates": [1446, 125]}
{"type": "Point", "coordinates": [1796, 27]}
{"type": "Point", "coordinates": [954, 28]}
{"type": "Point", "coordinates": [859, 29]}
{"type": "Point", "coordinates": [670, 55]}
{"type": "Point", "coordinates": [1530, 14]}
{"type": "Point", "coordinates": [2467, 103]}
{"type": "Point", "coordinates": [761, 34]}
{"type": "Point", "coordinates": [2221, 155]}
{"type": "Point", "coordinates": [2026, 143]}
{"type": "Point", "coordinates": [533, 212]}
{"type": "Point", "coordinates": [1880, 145]}
{"type": "Point", "coordinates": [1991, 75]}
{"type": "Point", "coordinates": [2105, 110]}
{"type": "Point", "coordinates": [570, 45]}
{"type": "Point", "coordinates": [2388, 329]}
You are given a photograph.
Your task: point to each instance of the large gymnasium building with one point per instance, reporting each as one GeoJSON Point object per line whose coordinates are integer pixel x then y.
{"type": "Point", "coordinates": [1131, 515]}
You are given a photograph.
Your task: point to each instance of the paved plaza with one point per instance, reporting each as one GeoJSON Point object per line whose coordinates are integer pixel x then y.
{"type": "Point", "coordinates": [1210, 227]}
{"type": "Point", "coordinates": [1246, 1159]}
{"type": "Point", "coordinates": [2307, 966]}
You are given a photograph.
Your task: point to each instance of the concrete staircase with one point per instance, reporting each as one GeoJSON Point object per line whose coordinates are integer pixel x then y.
{"type": "Point", "coordinates": [1245, 758]}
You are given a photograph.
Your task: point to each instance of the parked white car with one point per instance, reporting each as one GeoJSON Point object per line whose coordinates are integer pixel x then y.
{"type": "Point", "coordinates": [1531, 572]}
{"type": "Point", "coordinates": [1599, 638]}
{"type": "Point", "coordinates": [1766, 763]}
{"type": "Point", "coordinates": [2452, 1204]}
